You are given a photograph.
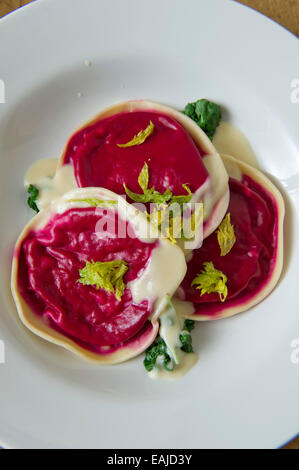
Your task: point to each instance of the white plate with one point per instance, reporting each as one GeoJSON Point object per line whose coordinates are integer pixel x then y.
{"type": "Point", "coordinates": [244, 390]}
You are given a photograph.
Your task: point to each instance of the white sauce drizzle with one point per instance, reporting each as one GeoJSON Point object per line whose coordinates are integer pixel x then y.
{"type": "Point", "coordinates": [40, 170]}
{"type": "Point", "coordinates": [161, 274]}
{"type": "Point", "coordinates": [170, 329]}
{"type": "Point", "coordinates": [230, 140]}
{"type": "Point", "coordinates": [183, 306]}
{"type": "Point", "coordinates": [189, 361]}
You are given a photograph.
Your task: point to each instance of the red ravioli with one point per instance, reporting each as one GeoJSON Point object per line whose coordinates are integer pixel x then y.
{"type": "Point", "coordinates": [173, 157]}
{"type": "Point", "coordinates": [90, 321]}
{"type": "Point", "coordinates": [48, 279]}
{"type": "Point", "coordinates": [177, 152]}
{"type": "Point", "coordinates": [254, 263]}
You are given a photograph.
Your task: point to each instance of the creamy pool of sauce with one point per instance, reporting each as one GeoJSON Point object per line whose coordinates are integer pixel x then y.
{"type": "Point", "coordinates": [50, 182]}
{"type": "Point", "coordinates": [183, 307]}
{"type": "Point", "coordinates": [230, 140]}
{"type": "Point", "coordinates": [40, 170]}
{"type": "Point", "coordinates": [186, 363]}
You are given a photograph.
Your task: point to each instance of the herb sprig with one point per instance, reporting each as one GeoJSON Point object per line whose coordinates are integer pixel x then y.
{"type": "Point", "coordinates": [107, 274]}
{"type": "Point", "coordinates": [151, 195]}
{"type": "Point", "coordinates": [185, 336]}
{"type": "Point", "coordinates": [33, 195]}
{"type": "Point", "coordinates": [156, 349]}
{"type": "Point", "coordinates": [226, 235]}
{"type": "Point", "coordinates": [211, 280]}
{"type": "Point", "coordinates": [164, 212]}
{"type": "Point", "coordinates": [206, 114]}
{"type": "Point", "coordinates": [139, 138]}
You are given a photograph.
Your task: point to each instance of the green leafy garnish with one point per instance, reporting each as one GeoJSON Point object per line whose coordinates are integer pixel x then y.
{"type": "Point", "coordinates": [156, 349]}
{"type": "Point", "coordinates": [150, 195]}
{"type": "Point", "coordinates": [211, 280]}
{"type": "Point", "coordinates": [162, 198]}
{"type": "Point", "coordinates": [94, 202]}
{"type": "Point", "coordinates": [184, 199]}
{"type": "Point", "coordinates": [186, 341]}
{"type": "Point", "coordinates": [33, 195]}
{"type": "Point", "coordinates": [140, 137]}
{"type": "Point", "coordinates": [144, 198]}
{"type": "Point", "coordinates": [107, 274]}
{"type": "Point", "coordinates": [189, 325]}
{"type": "Point", "coordinates": [206, 114]}
{"type": "Point", "coordinates": [143, 178]}
{"type": "Point", "coordinates": [164, 213]}
{"type": "Point", "coordinates": [185, 336]}
{"type": "Point", "coordinates": [159, 347]}
{"type": "Point", "coordinates": [226, 235]}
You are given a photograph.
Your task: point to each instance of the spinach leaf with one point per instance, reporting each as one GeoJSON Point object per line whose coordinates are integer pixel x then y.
{"type": "Point", "coordinates": [156, 349]}
{"type": "Point", "coordinates": [186, 341]}
{"type": "Point", "coordinates": [185, 336]}
{"type": "Point", "coordinates": [33, 195]}
{"type": "Point", "coordinates": [159, 348]}
{"type": "Point", "coordinates": [206, 114]}
{"type": "Point", "coordinates": [189, 325]}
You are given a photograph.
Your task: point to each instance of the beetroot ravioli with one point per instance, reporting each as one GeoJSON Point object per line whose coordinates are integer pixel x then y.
{"type": "Point", "coordinates": [249, 269]}
{"type": "Point", "coordinates": [176, 150]}
{"type": "Point", "coordinates": [87, 275]}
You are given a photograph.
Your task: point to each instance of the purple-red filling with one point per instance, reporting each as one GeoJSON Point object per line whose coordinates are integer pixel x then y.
{"type": "Point", "coordinates": [250, 263]}
{"type": "Point", "coordinates": [49, 263]}
{"type": "Point", "coordinates": [172, 155]}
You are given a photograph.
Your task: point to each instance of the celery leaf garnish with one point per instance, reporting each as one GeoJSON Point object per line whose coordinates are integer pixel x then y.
{"type": "Point", "coordinates": [95, 202]}
{"type": "Point", "coordinates": [163, 201]}
{"type": "Point", "coordinates": [211, 280]}
{"type": "Point", "coordinates": [184, 199]}
{"type": "Point", "coordinates": [108, 275]}
{"type": "Point", "coordinates": [140, 137]}
{"type": "Point", "coordinates": [143, 178]}
{"type": "Point", "coordinates": [226, 235]}
{"type": "Point", "coordinates": [150, 195]}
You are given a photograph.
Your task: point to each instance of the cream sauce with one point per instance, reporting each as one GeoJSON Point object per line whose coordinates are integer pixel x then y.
{"type": "Point", "coordinates": [183, 307]}
{"type": "Point", "coordinates": [170, 329]}
{"type": "Point", "coordinates": [40, 170]}
{"type": "Point", "coordinates": [186, 362]}
{"type": "Point", "coordinates": [161, 276]}
{"type": "Point", "coordinates": [230, 140]}
{"type": "Point", "coordinates": [50, 182]}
